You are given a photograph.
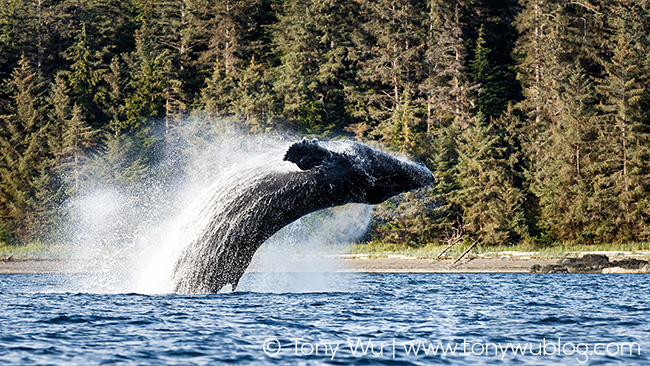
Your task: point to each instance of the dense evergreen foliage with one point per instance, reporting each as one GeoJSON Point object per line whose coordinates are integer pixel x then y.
{"type": "Point", "coordinates": [533, 114]}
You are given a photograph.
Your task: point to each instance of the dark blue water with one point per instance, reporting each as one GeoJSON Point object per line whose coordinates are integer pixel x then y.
{"type": "Point", "coordinates": [375, 321]}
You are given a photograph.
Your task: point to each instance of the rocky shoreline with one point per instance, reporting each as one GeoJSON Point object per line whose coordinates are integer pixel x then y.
{"type": "Point", "coordinates": [594, 263]}
{"type": "Point", "coordinates": [588, 263]}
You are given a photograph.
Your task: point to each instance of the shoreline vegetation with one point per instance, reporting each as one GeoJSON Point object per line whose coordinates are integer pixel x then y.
{"type": "Point", "coordinates": [511, 262]}
{"type": "Point", "coordinates": [556, 250]}
{"type": "Point", "coordinates": [532, 115]}
{"type": "Point", "coordinates": [370, 257]}
{"type": "Point", "coordinates": [41, 251]}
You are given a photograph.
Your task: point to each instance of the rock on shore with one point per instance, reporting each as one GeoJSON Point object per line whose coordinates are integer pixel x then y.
{"type": "Point", "coordinates": [594, 263]}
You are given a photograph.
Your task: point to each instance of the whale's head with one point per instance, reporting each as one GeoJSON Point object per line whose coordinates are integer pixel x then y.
{"type": "Point", "coordinates": [358, 173]}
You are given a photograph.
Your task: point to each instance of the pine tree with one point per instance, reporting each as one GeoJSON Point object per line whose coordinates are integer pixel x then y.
{"type": "Point", "coordinates": [25, 202]}
{"type": "Point", "coordinates": [564, 180]}
{"type": "Point", "coordinates": [313, 41]}
{"type": "Point", "coordinates": [391, 45]}
{"type": "Point", "coordinates": [111, 97]}
{"type": "Point", "coordinates": [444, 89]}
{"type": "Point", "coordinates": [490, 202]}
{"type": "Point", "coordinates": [84, 78]}
{"type": "Point", "coordinates": [491, 98]}
{"type": "Point", "coordinates": [622, 180]}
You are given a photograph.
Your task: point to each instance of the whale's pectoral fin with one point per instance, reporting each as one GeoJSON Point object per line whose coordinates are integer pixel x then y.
{"type": "Point", "coordinates": [308, 154]}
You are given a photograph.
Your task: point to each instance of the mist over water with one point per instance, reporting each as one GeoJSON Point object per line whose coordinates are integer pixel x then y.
{"type": "Point", "coordinates": [307, 246]}
{"type": "Point", "coordinates": [128, 235]}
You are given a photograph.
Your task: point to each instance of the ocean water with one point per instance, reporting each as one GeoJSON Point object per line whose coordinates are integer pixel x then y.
{"type": "Point", "coordinates": [355, 319]}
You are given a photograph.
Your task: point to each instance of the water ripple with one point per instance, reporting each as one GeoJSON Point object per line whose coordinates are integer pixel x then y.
{"type": "Point", "coordinates": [55, 327]}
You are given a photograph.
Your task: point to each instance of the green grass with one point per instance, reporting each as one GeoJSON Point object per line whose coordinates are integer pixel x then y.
{"type": "Point", "coordinates": [378, 249]}
{"type": "Point", "coordinates": [35, 250]}
{"type": "Point", "coordinates": [556, 250]}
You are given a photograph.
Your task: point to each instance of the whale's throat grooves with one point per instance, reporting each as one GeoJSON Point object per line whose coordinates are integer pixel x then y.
{"type": "Point", "coordinates": [222, 250]}
{"type": "Point", "coordinates": [251, 205]}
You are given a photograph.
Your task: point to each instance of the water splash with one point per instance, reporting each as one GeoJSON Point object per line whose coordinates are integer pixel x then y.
{"type": "Point", "coordinates": [302, 257]}
{"type": "Point", "coordinates": [128, 237]}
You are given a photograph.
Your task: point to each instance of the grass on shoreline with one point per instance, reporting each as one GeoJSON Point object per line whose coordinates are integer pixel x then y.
{"type": "Point", "coordinates": [557, 250]}
{"type": "Point", "coordinates": [39, 250]}
{"type": "Point", "coordinates": [34, 250]}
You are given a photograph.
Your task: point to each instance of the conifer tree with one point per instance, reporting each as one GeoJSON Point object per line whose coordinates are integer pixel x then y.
{"type": "Point", "coordinates": [622, 180]}
{"type": "Point", "coordinates": [391, 48]}
{"type": "Point", "coordinates": [253, 97]}
{"type": "Point", "coordinates": [119, 161]}
{"type": "Point", "coordinates": [59, 101]}
{"type": "Point", "coordinates": [490, 202]}
{"type": "Point", "coordinates": [219, 92]}
{"type": "Point", "coordinates": [7, 36]}
{"type": "Point", "coordinates": [34, 33]}
{"type": "Point", "coordinates": [555, 37]}
{"type": "Point", "coordinates": [564, 179]}
{"type": "Point", "coordinates": [313, 41]}
{"type": "Point", "coordinates": [491, 98]}
{"type": "Point", "coordinates": [77, 138]}
{"type": "Point", "coordinates": [111, 97]}
{"type": "Point", "coordinates": [145, 103]}
{"type": "Point", "coordinates": [542, 68]}
{"type": "Point", "coordinates": [444, 89]}
{"type": "Point", "coordinates": [84, 78]}
{"type": "Point", "coordinates": [25, 201]}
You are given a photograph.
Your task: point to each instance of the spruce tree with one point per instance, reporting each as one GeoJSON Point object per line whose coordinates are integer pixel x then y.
{"type": "Point", "coordinates": [488, 196]}
{"type": "Point", "coordinates": [77, 139]}
{"type": "Point", "coordinates": [35, 35]}
{"type": "Point", "coordinates": [621, 183]}
{"type": "Point", "coordinates": [118, 162]}
{"type": "Point", "coordinates": [253, 99]}
{"type": "Point", "coordinates": [8, 25]}
{"type": "Point", "coordinates": [313, 44]}
{"type": "Point", "coordinates": [491, 92]}
{"type": "Point", "coordinates": [564, 179]}
{"type": "Point", "coordinates": [542, 67]}
{"type": "Point", "coordinates": [84, 78]}
{"type": "Point", "coordinates": [444, 90]}
{"type": "Point", "coordinates": [557, 40]}
{"type": "Point", "coordinates": [219, 92]}
{"type": "Point", "coordinates": [391, 45]}
{"type": "Point", "coordinates": [111, 97]}
{"type": "Point", "coordinates": [145, 101]}
{"type": "Point", "coordinates": [25, 201]}
{"type": "Point", "coordinates": [60, 110]}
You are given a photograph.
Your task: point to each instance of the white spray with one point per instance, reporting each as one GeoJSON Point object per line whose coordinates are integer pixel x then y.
{"type": "Point", "coordinates": [127, 239]}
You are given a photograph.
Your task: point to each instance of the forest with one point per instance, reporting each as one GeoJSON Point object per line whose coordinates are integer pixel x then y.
{"type": "Point", "coordinates": [532, 114]}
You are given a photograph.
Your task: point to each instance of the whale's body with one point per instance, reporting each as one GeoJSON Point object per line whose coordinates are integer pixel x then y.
{"type": "Point", "coordinates": [240, 217]}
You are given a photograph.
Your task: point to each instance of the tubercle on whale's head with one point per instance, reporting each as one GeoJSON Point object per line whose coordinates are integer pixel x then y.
{"type": "Point", "coordinates": [359, 172]}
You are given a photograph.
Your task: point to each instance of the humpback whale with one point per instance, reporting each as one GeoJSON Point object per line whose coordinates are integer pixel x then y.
{"type": "Point", "coordinates": [239, 217]}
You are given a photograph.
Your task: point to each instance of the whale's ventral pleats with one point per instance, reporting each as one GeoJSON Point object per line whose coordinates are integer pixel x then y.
{"type": "Point", "coordinates": [246, 209]}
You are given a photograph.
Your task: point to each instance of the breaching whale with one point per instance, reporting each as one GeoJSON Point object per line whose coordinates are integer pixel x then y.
{"type": "Point", "coordinates": [242, 216]}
